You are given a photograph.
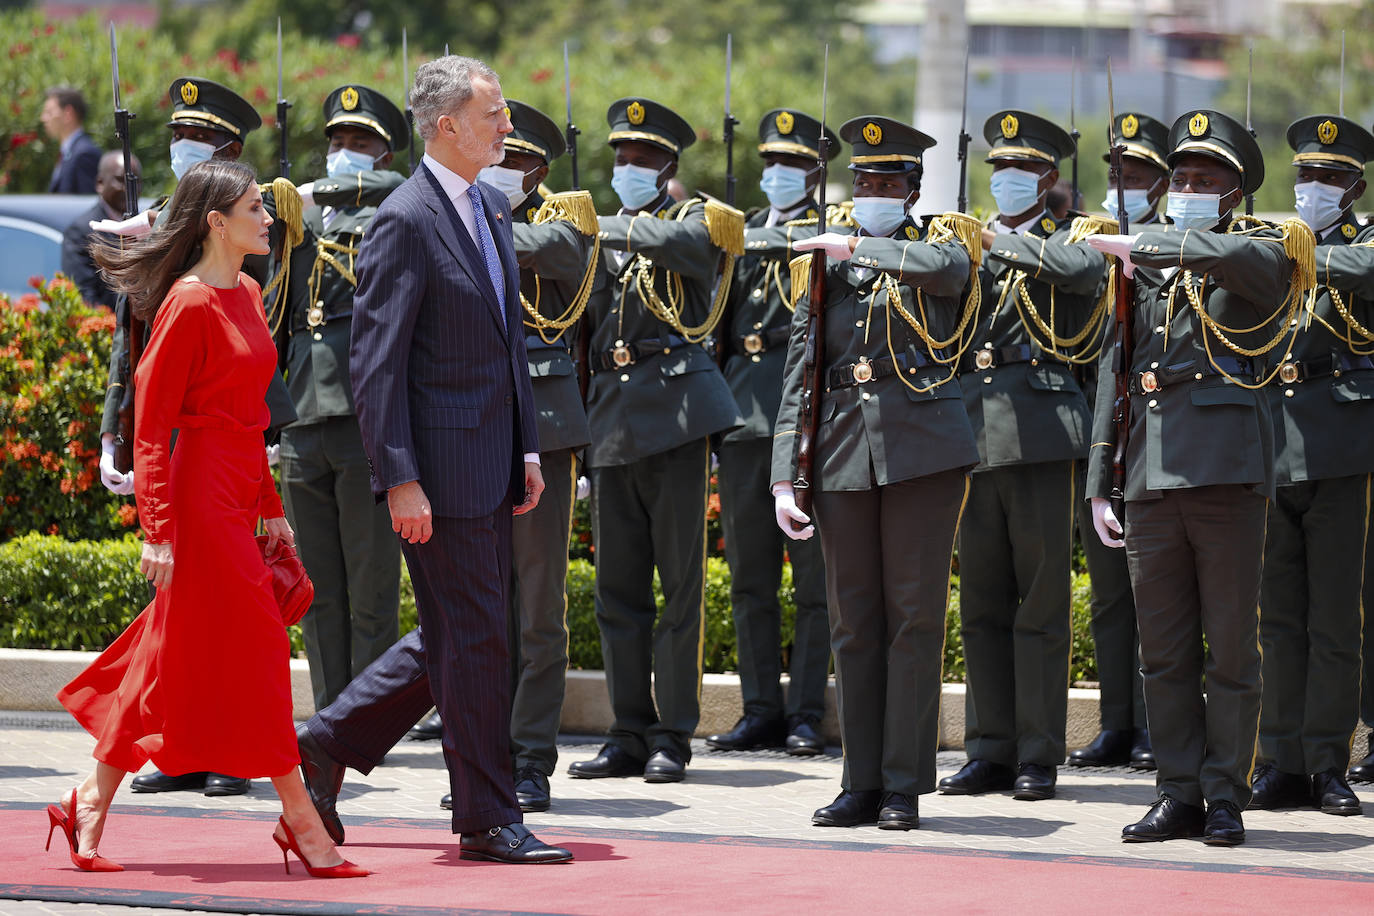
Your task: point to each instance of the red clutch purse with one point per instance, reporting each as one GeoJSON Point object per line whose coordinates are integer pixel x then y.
{"type": "Point", "coordinates": [290, 585]}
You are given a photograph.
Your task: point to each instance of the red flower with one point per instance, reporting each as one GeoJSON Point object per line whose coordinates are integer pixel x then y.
{"type": "Point", "coordinates": [347, 40]}
{"type": "Point", "coordinates": [53, 529]}
{"type": "Point", "coordinates": [22, 138]}
{"type": "Point", "coordinates": [128, 515]}
{"type": "Point", "coordinates": [36, 281]}
{"type": "Point", "coordinates": [66, 486]}
{"type": "Point", "coordinates": [541, 75]}
{"type": "Point", "coordinates": [12, 499]}
{"type": "Point", "coordinates": [259, 94]}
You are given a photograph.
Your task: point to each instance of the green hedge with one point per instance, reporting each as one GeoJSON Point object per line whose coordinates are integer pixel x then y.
{"type": "Point", "coordinates": [59, 594]}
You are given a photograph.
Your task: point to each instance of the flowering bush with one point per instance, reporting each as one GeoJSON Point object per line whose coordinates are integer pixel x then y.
{"type": "Point", "coordinates": [54, 357]}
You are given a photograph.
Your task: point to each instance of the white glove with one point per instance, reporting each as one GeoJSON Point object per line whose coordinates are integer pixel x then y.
{"type": "Point", "coordinates": [273, 455]}
{"type": "Point", "coordinates": [835, 245]}
{"type": "Point", "coordinates": [1106, 524]}
{"type": "Point", "coordinates": [794, 522]}
{"type": "Point", "coordinates": [135, 226]}
{"type": "Point", "coordinates": [307, 193]}
{"type": "Point", "coordinates": [584, 487]}
{"type": "Point", "coordinates": [117, 483]}
{"type": "Point", "coordinates": [1118, 245]}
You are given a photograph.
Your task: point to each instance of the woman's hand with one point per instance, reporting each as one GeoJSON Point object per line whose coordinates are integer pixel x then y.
{"type": "Point", "coordinates": [278, 531]}
{"type": "Point", "coordinates": [156, 564]}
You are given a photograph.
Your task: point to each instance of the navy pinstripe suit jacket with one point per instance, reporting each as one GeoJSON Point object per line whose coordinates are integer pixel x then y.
{"type": "Point", "coordinates": [439, 370]}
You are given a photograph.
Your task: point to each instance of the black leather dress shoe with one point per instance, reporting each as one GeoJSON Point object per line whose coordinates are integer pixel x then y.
{"type": "Point", "coordinates": [1142, 751]}
{"type": "Point", "coordinates": [1224, 826]}
{"type": "Point", "coordinates": [898, 812]}
{"type": "Point", "coordinates": [664, 766]}
{"type": "Point", "coordinates": [218, 784]}
{"type": "Point", "coordinates": [428, 728]}
{"type": "Point", "coordinates": [611, 760]}
{"type": "Point", "coordinates": [158, 781]}
{"type": "Point", "coordinates": [1364, 770]}
{"type": "Point", "coordinates": [1333, 795]}
{"type": "Point", "coordinates": [1111, 748]}
{"type": "Point", "coordinates": [849, 809]}
{"type": "Point", "coordinates": [324, 778]}
{"type": "Point", "coordinates": [1033, 782]}
{"type": "Point", "coordinates": [1168, 819]}
{"type": "Point", "coordinates": [532, 790]}
{"type": "Point", "coordinates": [977, 777]}
{"type": "Point", "coordinates": [446, 802]}
{"type": "Point", "coordinates": [1273, 789]}
{"type": "Point", "coordinates": [804, 738]}
{"type": "Point", "coordinates": [750, 733]}
{"type": "Point", "coordinates": [512, 844]}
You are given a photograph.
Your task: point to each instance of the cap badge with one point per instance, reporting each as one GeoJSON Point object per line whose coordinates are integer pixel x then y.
{"type": "Point", "coordinates": [1010, 126]}
{"type": "Point", "coordinates": [189, 92]}
{"type": "Point", "coordinates": [1348, 231]}
{"type": "Point", "coordinates": [1047, 224]}
{"type": "Point", "coordinates": [531, 213]}
{"type": "Point", "coordinates": [1326, 131]}
{"type": "Point", "coordinates": [349, 98]}
{"type": "Point", "coordinates": [1197, 125]}
{"type": "Point", "coordinates": [1130, 126]}
{"type": "Point", "coordinates": [912, 234]}
{"type": "Point", "coordinates": [873, 134]}
{"type": "Point", "coordinates": [785, 122]}
{"type": "Point", "coordinates": [635, 112]}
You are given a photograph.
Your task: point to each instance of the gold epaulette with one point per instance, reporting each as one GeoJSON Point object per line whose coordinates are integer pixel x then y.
{"type": "Point", "coordinates": [574, 206]}
{"type": "Point", "coordinates": [800, 267]}
{"type": "Point", "coordinates": [954, 225]}
{"type": "Point", "coordinates": [1091, 224]}
{"type": "Point", "coordinates": [725, 225]}
{"type": "Point", "coordinates": [1300, 244]}
{"type": "Point", "coordinates": [290, 212]}
{"type": "Point", "coordinates": [841, 214]}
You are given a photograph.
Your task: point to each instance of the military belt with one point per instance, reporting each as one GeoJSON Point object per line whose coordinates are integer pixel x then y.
{"type": "Point", "coordinates": [535, 342]}
{"type": "Point", "coordinates": [866, 370]}
{"type": "Point", "coordinates": [626, 353]}
{"type": "Point", "coordinates": [1152, 380]}
{"type": "Point", "coordinates": [1293, 371]}
{"type": "Point", "coordinates": [762, 341]}
{"type": "Point", "coordinates": [992, 357]}
{"type": "Point", "coordinates": [314, 317]}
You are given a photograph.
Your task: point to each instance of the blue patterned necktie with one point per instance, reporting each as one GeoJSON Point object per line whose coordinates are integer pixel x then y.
{"type": "Point", "coordinates": [487, 245]}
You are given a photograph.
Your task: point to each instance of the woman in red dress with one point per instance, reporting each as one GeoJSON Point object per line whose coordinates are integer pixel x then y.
{"type": "Point", "coordinates": [214, 628]}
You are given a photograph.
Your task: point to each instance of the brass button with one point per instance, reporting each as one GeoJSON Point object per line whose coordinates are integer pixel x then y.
{"type": "Point", "coordinates": [319, 336]}
{"type": "Point", "coordinates": [753, 343]}
{"type": "Point", "coordinates": [1159, 329]}
{"type": "Point", "coordinates": [866, 396]}
{"type": "Point", "coordinates": [1153, 403]}
{"type": "Point", "coordinates": [858, 324]}
{"type": "Point", "coordinates": [1198, 376]}
{"type": "Point", "coordinates": [987, 380]}
{"type": "Point", "coordinates": [625, 377]}
{"type": "Point", "coordinates": [1288, 392]}
{"type": "Point", "coordinates": [758, 294]}
{"type": "Point", "coordinates": [667, 350]}
{"type": "Point", "coordinates": [1154, 365]}
{"type": "Point", "coordinates": [756, 358]}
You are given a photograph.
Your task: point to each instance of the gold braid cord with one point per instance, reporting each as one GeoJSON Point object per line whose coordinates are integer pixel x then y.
{"type": "Point", "coordinates": [1091, 224]}
{"type": "Point", "coordinates": [575, 207]}
{"type": "Point", "coordinates": [291, 211]}
{"type": "Point", "coordinates": [1356, 335]}
{"type": "Point", "coordinates": [725, 226]}
{"type": "Point", "coordinates": [800, 268]}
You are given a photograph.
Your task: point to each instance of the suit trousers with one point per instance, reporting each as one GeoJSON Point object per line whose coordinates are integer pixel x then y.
{"type": "Point", "coordinates": [1115, 640]}
{"type": "Point", "coordinates": [1196, 557]}
{"type": "Point", "coordinates": [651, 514]}
{"type": "Point", "coordinates": [1367, 644]}
{"type": "Point", "coordinates": [887, 554]}
{"type": "Point", "coordinates": [754, 548]}
{"type": "Point", "coordinates": [539, 614]}
{"type": "Point", "coordinates": [1014, 547]}
{"type": "Point", "coordinates": [1310, 623]}
{"type": "Point", "coordinates": [345, 540]}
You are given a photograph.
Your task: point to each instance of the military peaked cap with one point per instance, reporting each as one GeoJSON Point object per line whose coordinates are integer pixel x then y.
{"type": "Point", "coordinates": [535, 132]}
{"type": "Point", "coordinates": [786, 130]}
{"type": "Point", "coordinates": [1143, 137]}
{"type": "Point", "coordinates": [367, 108]}
{"type": "Point", "coordinates": [1330, 142]}
{"type": "Point", "coordinates": [1210, 133]}
{"type": "Point", "coordinates": [649, 122]}
{"type": "Point", "coordinates": [883, 145]}
{"type": "Point", "coordinates": [200, 102]}
{"type": "Point", "coordinates": [1021, 135]}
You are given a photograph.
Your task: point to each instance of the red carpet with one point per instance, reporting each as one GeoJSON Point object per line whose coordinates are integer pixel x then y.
{"type": "Point", "coordinates": [227, 863]}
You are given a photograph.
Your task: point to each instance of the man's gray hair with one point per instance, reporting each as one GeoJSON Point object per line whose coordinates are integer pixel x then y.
{"type": "Point", "coordinates": [442, 87]}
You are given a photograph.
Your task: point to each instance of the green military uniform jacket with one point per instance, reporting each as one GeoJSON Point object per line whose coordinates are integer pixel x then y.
{"type": "Point", "coordinates": [553, 262]}
{"type": "Point", "coordinates": [1191, 431]}
{"type": "Point", "coordinates": [670, 392]}
{"type": "Point", "coordinates": [900, 425]}
{"type": "Point", "coordinates": [1026, 406]}
{"type": "Point", "coordinates": [1324, 419]}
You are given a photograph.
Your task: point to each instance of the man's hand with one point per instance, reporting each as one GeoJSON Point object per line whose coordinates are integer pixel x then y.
{"type": "Point", "coordinates": [534, 485]}
{"type": "Point", "coordinates": [1118, 245]}
{"type": "Point", "coordinates": [278, 531]}
{"type": "Point", "coordinates": [794, 523]}
{"type": "Point", "coordinates": [273, 455]}
{"type": "Point", "coordinates": [136, 226]}
{"type": "Point", "coordinates": [988, 237]}
{"type": "Point", "coordinates": [411, 517]}
{"type": "Point", "coordinates": [117, 483]}
{"type": "Point", "coordinates": [836, 246]}
{"type": "Point", "coordinates": [584, 487]}
{"type": "Point", "coordinates": [156, 564]}
{"type": "Point", "coordinates": [1106, 524]}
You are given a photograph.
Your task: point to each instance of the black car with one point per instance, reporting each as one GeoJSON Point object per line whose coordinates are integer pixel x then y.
{"type": "Point", "coordinates": [31, 228]}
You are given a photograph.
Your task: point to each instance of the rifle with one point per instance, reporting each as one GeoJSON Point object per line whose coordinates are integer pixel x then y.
{"type": "Point", "coordinates": [1249, 83]}
{"type": "Point", "coordinates": [813, 357]}
{"type": "Point", "coordinates": [133, 327]}
{"type": "Point", "coordinates": [964, 140]}
{"type": "Point", "coordinates": [571, 131]}
{"type": "Point", "coordinates": [728, 132]}
{"type": "Point", "coordinates": [1124, 345]}
{"type": "Point", "coordinates": [1076, 201]}
{"type": "Point", "coordinates": [410, 115]}
{"type": "Point", "coordinates": [283, 106]}
{"type": "Point", "coordinates": [1341, 98]}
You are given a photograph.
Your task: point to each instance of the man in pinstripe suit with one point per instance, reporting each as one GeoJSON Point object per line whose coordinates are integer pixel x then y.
{"type": "Point", "coordinates": [446, 411]}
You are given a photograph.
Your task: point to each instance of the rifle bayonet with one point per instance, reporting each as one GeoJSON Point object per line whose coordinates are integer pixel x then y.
{"type": "Point", "coordinates": [728, 133]}
{"type": "Point", "coordinates": [283, 106]}
{"type": "Point", "coordinates": [571, 131]}
{"type": "Point", "coordinates": [964, 140]}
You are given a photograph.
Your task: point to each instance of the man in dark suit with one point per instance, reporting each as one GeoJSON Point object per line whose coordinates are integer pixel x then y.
{"type": "Point", "coordinates": [77, 262]}
{"type": "Point", "coordinates": [446, 410]}
{"type": "Point", "coordinates": [78, 158]}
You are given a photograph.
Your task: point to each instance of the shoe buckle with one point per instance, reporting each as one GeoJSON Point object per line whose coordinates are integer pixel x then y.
{"type": "Point", "coordinates": [493, 832]}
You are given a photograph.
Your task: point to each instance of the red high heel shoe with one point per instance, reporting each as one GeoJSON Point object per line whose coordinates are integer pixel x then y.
{"type": "Point", "coordinates": [345, 869]}
{"type": "Point", "coordinates": [59, 818]}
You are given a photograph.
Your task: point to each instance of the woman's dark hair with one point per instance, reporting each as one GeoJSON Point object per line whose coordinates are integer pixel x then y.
{"type": "Point", "coordinates": [147, 268]}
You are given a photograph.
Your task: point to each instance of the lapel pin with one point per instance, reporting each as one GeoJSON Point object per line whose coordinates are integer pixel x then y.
{"type": "Point", "coordinates": [498, 217]}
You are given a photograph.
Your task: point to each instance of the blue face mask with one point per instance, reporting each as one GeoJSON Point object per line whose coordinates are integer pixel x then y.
{"type": "Point", "coordinates": [1015, 191]}
{"type": "Point", "coordinates": [635, 185]}
{"type": "Point", "coordinates": [343, 162]}
{"type": "Point", "coordinates": [1138, 206]}
{"type": "Point", "coordinates": [1194, 211]}
{"type": "Point", "coordinates": [186, 153]}
{"type": "Point", "coordinates": [878, 216]}
{"type": "Point", "coordinates": [784, 185]}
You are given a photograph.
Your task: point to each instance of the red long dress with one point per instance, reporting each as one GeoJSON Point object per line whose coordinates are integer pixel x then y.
{"type": "Point", "coordinates": [200, 680]}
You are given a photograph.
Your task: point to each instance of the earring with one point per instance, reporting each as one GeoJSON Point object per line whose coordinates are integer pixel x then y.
{"type": "Point", "coordinates": [221, 235]}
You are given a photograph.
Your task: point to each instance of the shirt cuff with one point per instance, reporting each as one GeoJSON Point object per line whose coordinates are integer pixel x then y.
{"type": "Point", "coordinates": [532, 458]}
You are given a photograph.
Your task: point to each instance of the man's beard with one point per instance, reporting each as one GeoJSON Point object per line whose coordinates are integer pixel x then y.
{"type": "Point", "coordinates": [474, 150]}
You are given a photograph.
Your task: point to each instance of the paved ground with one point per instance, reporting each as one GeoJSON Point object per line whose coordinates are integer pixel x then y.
{"type": "Point", "coordinates": [765, 794]}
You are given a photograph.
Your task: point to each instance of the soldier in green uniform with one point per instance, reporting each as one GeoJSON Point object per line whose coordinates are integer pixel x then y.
{"type": "Point", "coordinates": [344, 535]}
{"type": "Point", "coordinates": [1124, 737]}
{"type": "Point", "coordinates": [1209, 304]}
{"type": "Point", "coordinates": [1322, 402]}
{"type": "Point", "coordinates": [1041, 314]}
{"type": "Point", "coordinates": [892, 452]}
{"type": "Point", "coordinates": [754, 344]}
{"type": "Point", "coordinates": [655, 399]}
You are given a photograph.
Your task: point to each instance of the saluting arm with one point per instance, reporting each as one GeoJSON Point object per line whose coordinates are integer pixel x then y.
{"type": "Point", "coordinates": [1073, 267]}
{"type": "Point", "coordinates": [1347, 268]}
{"type": "Point", "coordinates": [365, 189]}
{"type": "Point", "coordinates": [1256, 268]}
{"type": "Point", "coordinates": [681, 247]}
{"type": "Point", "coordinates": [939, 269]}
{"type": "Point", "coordinates": [555, 250]}
{"type": "Point", "coordinates": [776, 242]}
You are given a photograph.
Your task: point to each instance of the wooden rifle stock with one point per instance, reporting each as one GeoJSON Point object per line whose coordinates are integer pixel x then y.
{"type": "Point", "coordinates": [1124, 345]}
{"type": "Point", "coordinates": [134, 331]}
{"type": "Point", "coordinates": [813, 383]}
